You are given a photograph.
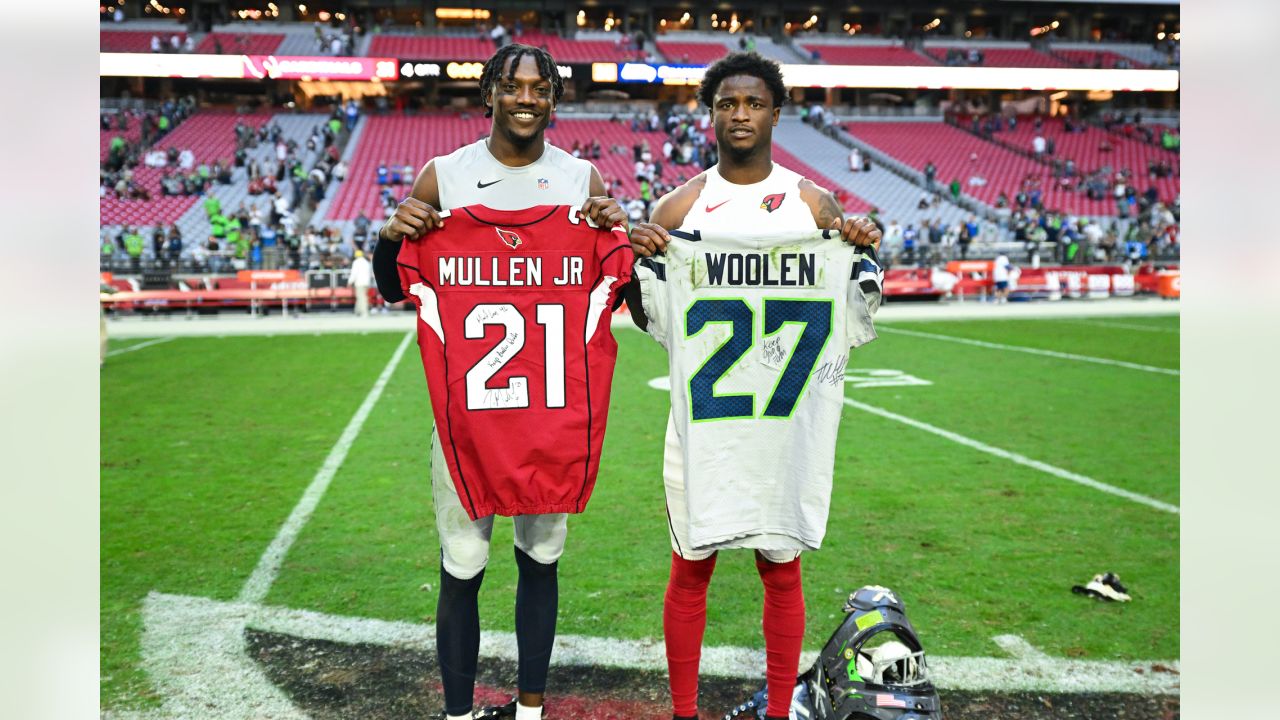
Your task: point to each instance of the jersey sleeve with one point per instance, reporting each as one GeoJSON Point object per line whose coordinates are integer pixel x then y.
{"type": "Point", "coordinates": [652, 274]}
{"type": "Point", "coordinates": [865, 291]}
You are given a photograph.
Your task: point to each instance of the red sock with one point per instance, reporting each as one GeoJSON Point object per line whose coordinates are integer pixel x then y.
{"type": "Point", "coordinates": [684, 618]}
{"type": "Point", "coordinates": [783, 630]}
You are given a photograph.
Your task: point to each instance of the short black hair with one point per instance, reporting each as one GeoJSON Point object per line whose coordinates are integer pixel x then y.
{"type": "Point", "coordinates": [546, 68]}
{"type": "Point", "coordinates": [743, 63]}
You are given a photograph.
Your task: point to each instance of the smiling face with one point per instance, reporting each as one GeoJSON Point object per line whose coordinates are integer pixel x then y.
{"type": "Point", "coordinates": [522, 102]}
{"type": "Point", "coordinates": [743, 114]}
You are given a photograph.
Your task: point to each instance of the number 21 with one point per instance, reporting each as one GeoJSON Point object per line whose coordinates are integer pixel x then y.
{"type": "Point", "coordinates": [515, 394]}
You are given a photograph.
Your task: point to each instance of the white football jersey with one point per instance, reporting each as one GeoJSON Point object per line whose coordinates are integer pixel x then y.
{"type": "Point", "coordinates": [758, 330]}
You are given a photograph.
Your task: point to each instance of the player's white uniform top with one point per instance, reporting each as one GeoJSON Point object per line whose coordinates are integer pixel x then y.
{"type": "Point", "coordinates": [756, 398]}
{"type": "Point", "coordinates": [728, 207]}
{"type": "Point", "coordinates": [471, 175]}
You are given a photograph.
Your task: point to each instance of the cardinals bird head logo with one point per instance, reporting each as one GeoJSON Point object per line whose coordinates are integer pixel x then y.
{"type": "Point", "coordinates": [509, 238]}
{"type": "Point", "coordinates": [772, 202]}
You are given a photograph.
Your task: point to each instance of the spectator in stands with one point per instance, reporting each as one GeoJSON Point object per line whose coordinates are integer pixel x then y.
{"type": "Point", "coordinates": [1038, 144]}
{"type": "Point", "coordinates": [935, 232]}
{"type": "Point", "coordinates": [855, 160]}
{"type": "Point", "coordinates": [133, 245]}
{"type": "Point", "coordinates": [1036, 234]}
{"type": "Point", "coordinates": [383, 177]}
{"type": "Point", "coordinates": [955, 190]}
{"type": "Point", "coordinates": [155, 44]}
{"type": "Point", "coordinates": [360, 278]}
{"type": "Point", "coordinates": [1000, 276]}
{"type": "Point", "coordinates": [157, 242]}
{"type": "Point", "coordinates": [909, 238]}
{"type": "Point", "coordinates": [968, 234]}
{"type": "Point", "coordinates": [892, 239]}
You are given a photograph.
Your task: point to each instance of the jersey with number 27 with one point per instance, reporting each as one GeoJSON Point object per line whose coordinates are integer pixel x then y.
{"type": "Point", "coordinates": [758, 330]}
{"type": "Point", "coordinates": [514, 329]}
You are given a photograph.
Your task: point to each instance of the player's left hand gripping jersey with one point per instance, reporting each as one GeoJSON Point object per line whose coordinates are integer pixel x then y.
{"type": "Point", "coordinates": [758, 331]}
{"type": "Point", "coordinates": [514, 328]}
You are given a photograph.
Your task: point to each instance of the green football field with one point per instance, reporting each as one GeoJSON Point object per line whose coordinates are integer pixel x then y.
{"type": "Point", "coordinates": [983, 468]}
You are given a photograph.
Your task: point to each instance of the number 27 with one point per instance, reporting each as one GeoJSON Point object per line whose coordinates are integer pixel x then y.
{"type": "Point", "coordinates": [814, 315]}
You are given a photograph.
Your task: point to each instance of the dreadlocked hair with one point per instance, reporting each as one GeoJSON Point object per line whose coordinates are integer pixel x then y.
{"type": "Point", "coordinates": [743, 63]}
{"type": "Point", "coordinates": [494, 65]}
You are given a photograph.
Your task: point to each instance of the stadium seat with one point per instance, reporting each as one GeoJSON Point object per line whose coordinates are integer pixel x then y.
{"type": "Point", "coordinates": [868, 55]}
{"type": "Point", "coordinates": [240, 43]}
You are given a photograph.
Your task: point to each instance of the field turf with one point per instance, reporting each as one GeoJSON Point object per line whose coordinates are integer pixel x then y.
{"type": "Point", "coordinates": [208, 444]}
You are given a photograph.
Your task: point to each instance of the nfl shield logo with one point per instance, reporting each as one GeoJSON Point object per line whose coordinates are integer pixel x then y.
{"type": "Point", "coordinates": [543, 183]}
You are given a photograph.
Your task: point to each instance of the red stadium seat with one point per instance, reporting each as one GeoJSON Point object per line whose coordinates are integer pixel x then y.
{"type": "Point", "coordinates": [135, 41]}
{"type": "Point", "coordinates": [240, 43]}
{"type": "Point", "coordinates": [868, 55]}
{"type": "Point", "coordinates": [209, 136]}
{"type": "Point", "coordinates": [1004, 57]}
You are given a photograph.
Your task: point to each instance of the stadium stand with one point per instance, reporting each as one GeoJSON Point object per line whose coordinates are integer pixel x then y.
{"type": "Point", "coordinates": [950, 149]}
{"type": "Point", "coordinates": [888, 53]}
{"type": "Point", "coordinates": [394, 139]}
{"type": "Point", "coordinates": [1003, 56]}
{"type": "Point", "coordinates": [1102, 59]}
{"type": "Point", "coordinates": [477, 49]}
{"type": "Point", "coordinates": [848, 200]}
{"type": "Point", "coordinates": [576, 50]}
{"type": "Point", "coordinates": [895, 197]}
{"type": "Point", "coordinates": [431, 47]}
{"type": "Point", "coordinates": [240, 43]}
{"type": "Point", "coordinates": [1141, 55]}
{"type": "Point", "coordinates": [134, 41]}
{"type": "Point", "coordinates": [131, 134]}
{"type": "Point", "coordinates": [696, 48]}
{"type": "Point", "coordinates": [210, 136]}
{"type": "Point", "coordinates": [194, 223]}
{"type": "Point", "coordinates": [1084, 148]}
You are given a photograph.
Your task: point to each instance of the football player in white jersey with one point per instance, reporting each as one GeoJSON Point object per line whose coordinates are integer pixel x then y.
{"type": "Point", "coordinates": [744, 93]}
{"type": "Point", "coordinates": [513, 168]}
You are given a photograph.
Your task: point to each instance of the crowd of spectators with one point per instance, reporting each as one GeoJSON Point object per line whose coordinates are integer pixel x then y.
{"type": "Point", "coordinates": [116, 174]}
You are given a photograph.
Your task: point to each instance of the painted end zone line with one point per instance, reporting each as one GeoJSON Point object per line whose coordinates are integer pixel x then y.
{"type": "Point", "coordinates": [1015, 457]}
{"type": "Point", "coordinates": [1032, 351]}
{"type": "Point", "coordinates": [194, 649]}
{"type": "Point", "coordinates": [256, 587]}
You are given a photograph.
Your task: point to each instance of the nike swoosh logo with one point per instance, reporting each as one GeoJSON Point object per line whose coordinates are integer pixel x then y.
{"type": "Point", "coordinates": [483, 185]}
{"type": "Point", "coordinates": [709, 208]}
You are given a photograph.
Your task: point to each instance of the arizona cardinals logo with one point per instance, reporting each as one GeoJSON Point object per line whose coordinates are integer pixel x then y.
{"type": "Point", "coordinates": [772, 202]}
{"type": "Point", "coordinates": [509, 238]}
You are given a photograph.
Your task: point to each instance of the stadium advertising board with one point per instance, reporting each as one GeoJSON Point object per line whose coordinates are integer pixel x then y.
{"type": "Point", "coordinates": [911, 77]}
{"type": "Point", "coordinates": [253, 67]}
{"type": "Point", "coordinates": [453, 69]}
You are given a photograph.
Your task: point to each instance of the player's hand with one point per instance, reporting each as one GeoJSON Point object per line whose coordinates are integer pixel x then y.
{"type": "Point", "coordinates": [648, 239]}
{"type": "Point", "coordinates": [412, 220]}
{"type": "Point", "coordinates": [605, 212]}
{"type": "Point", "coordinates": [858, 231]}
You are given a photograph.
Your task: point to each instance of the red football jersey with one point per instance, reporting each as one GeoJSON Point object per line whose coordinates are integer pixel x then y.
{"type": "Point", "coordinates": [514, 328]}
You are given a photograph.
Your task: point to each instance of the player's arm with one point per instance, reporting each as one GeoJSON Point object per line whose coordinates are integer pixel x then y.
{"type": "Point", "coordinates": [828, 215]}
{"type": "Point", "coordinates": [599, 207]}
{"type": "Point", "coordinates": [650, 238]}
{"type": "Point", "coordinates": [416, 216]}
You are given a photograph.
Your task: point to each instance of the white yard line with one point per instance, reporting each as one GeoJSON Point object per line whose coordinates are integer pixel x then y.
{"type": "Point", "coordinates": [1015, 457]}
{"type": "Point", "coordinates": [1120, 325]}
{"type": "Point", "coordinates": [139, 346]}
{"type": "Point", "coordinates": [256, 587]}
{"type": "Point", "coordinates": [1018, 648]}
{"type": "Point", "coordinates": [1030, 350]}
{"type": "Point", "coordinates": [194, 648]}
